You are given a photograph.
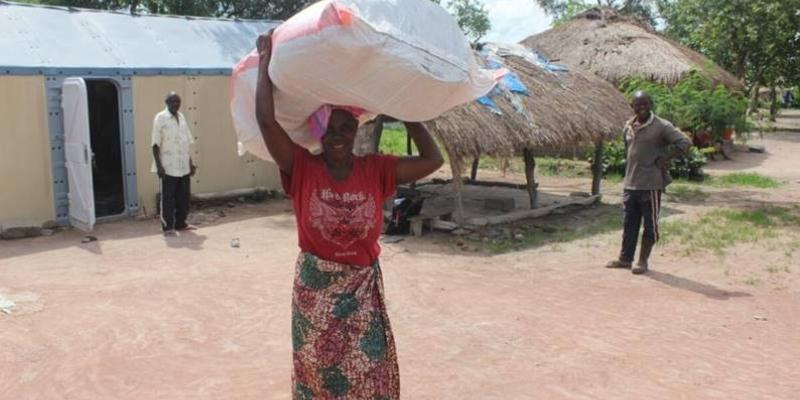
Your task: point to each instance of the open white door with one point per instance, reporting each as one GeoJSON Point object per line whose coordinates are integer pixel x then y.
{"type": "Point", "coordinates": [78, 152]}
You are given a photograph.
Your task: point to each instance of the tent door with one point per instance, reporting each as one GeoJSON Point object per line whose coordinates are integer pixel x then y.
{"type": "Point", "coordinates": [78, 153]}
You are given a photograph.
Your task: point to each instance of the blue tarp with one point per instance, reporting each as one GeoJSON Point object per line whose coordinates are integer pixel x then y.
{"type": "Point", "coordinates": [510, 85]}
{"type": "Point", "coordinates": [547, 65]}
{"type": "Point", "coordinates": [510, 80]}
{"type": "Point", "coordinates": [489, 103]}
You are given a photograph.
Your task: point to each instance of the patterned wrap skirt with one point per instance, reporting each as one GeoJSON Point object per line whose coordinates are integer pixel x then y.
{"type": "Point", "coordinates": [341, 339]}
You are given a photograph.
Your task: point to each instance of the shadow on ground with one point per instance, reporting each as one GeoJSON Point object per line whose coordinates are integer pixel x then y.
{"type": "Point", "coordinates": [693, 286]}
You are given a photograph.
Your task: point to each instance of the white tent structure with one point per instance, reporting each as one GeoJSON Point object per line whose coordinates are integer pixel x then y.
{"type": "Point", "coordinates": [78, 92]}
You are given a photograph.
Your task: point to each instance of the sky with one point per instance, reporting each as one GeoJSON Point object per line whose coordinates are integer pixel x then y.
{"type": "Point", "coordinates": [514, 20]}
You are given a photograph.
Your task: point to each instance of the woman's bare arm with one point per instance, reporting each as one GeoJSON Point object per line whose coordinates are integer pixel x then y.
{"type": "Point", "coordinates": [279, 145]}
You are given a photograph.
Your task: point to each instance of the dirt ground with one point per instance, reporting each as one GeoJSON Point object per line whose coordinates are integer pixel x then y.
{"type": "Point", "coordinates": [137, 316]}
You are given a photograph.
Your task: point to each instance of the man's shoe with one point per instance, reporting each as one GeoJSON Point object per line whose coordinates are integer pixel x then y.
{"type": "Point", "coordinates": [618, 264]}
{"type": "Point", "coordinates": [640, 268]}
{"type": "Point", "coordinates": [644, 255]}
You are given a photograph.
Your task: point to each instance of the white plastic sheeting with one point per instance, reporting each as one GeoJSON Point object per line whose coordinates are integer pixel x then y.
{"type": "Point", "coordinates": [404, 58]}
{"type": "Point", "coordinates": [6, 304]}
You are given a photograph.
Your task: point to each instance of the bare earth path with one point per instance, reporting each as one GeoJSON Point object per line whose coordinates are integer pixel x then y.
{"type": "Point", "coordinates": [135, 316]}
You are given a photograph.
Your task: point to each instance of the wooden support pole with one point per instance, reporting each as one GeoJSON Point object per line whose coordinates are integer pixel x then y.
{"type": "Point", "coordinates": [530, 178]}
{"type": "Point", "coordinates": [377, 132]}
{"type": "Point", "coordinates": [597, 167]}
{"type": "Point", "coordinates": [409, 152]}
{"type": "Point", "coordinates": [473, 174]}
{"type": "Point", "coordinates": [458, 185]}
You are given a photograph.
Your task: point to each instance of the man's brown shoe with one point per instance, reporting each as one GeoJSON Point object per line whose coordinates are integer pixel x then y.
{"type": "Point", "coordinates": [618, 264]}
{"type": "Point", "coordinates": [644, 255]}
{"type": "Point", "coordinates": [640, 268]}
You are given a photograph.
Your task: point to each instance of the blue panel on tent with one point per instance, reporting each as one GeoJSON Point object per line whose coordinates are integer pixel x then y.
{"type": "Point", "coordinates": [38, 37]}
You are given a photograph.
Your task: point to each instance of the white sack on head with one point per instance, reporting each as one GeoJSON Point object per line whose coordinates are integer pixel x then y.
{"type": "Point", "coordinates": [404, 58]}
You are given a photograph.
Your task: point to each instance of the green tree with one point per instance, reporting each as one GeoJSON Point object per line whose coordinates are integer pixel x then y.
{"type": "Point", "coordinates": [471, 16]}
{"type": "Point", "coordinates": [260, 9]}
{"type": "Point", "coordinates": [562, 10]}
{"type": "Point", "coordinates": [756, 40]}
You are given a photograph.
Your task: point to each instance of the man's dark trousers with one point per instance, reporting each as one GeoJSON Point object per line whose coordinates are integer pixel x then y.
{"type": "Point", "coordinates": [175, 194]}
{"type": "Point", "coordinates": [640, 205]}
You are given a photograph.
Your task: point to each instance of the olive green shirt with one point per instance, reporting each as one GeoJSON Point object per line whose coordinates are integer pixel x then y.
{"type": "Point", "coordinates": [645, 143]}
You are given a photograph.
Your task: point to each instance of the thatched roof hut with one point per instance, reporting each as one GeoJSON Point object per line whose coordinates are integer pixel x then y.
{"type": "Point", "coordinates": [563, 109]}
{"type": "Point", "coordinates": [616, 47]}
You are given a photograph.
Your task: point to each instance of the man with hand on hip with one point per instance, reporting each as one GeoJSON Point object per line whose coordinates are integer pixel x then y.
{"type": "Point", "coordinates": [647, 141]}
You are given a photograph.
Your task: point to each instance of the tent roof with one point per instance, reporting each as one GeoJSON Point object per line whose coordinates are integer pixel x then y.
{"type": "Point", "coordinates": [36, 36]}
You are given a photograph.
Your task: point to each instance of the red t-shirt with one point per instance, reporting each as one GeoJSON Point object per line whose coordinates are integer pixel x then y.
{"type": "Point", "coordinates": [340, 221]}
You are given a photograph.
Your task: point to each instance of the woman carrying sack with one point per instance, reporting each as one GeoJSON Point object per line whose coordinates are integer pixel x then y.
{"type": "Point", "coordinates": [341, 337]}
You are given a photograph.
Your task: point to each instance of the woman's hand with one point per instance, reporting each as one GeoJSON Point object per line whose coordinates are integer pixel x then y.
{"type": "Point", "coordinates": [264, 46]}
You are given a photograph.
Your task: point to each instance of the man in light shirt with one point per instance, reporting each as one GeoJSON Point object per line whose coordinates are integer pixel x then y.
{"type": "Point", "coordinates": [172, 161]}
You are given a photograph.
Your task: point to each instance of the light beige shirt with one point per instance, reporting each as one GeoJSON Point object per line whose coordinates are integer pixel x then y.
{"type": "Point", "coordinates": [174, 140]}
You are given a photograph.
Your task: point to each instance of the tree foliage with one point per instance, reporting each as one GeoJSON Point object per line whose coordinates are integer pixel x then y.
{"type": "Point", "coordinates": [562, 10]}
{"type": "Point", "coordinates": [759, 41]}
{"type": "Point", "coordinates": [695, 104]}
{"type": "Point", "coordinates": [471, 16]}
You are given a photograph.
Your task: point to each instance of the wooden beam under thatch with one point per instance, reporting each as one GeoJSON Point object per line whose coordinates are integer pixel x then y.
{"type": "Point", "coordinates": [616, 47]}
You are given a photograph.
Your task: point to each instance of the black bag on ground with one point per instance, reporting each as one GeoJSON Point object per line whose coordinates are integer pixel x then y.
{"type": "Point", "coordinates": [404, 208]}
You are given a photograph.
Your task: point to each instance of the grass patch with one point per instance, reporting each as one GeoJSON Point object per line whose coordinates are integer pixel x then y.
{"type": "Point", "coordinates": [745, 179]}
{"type": "Point", "coordinates": [773, 269]}
{"type": "Point", "coordinates": [752, 281]}
{"type": "Point", "coordinates": [550, 230]}
{"type": "Point", "coordinates": [686, 193]}
{"type": "Point", "coordinates": [724, 228]}
{"type": "Point", "coordinates": [393, 141]}
{"type": "Point", "coordinates": [563, 167]}
{"type": "Point", "coordinates": [729, 181]}
{"type": "Point", "coordinates": [614, 178]}
{"type": "Point", "coordinates": [545, 166]}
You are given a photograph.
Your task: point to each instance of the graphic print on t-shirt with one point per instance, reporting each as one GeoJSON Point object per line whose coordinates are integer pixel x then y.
{"type": "Point", "coordinates": [342, 218]}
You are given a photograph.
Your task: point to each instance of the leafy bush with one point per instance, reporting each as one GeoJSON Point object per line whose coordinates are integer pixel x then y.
{"type": "Point", "coordinates": [695, 105]}
{"type": "Point", "coordinates": [688, 166]}
{"type": "Point", "coordinates": [613, 158]}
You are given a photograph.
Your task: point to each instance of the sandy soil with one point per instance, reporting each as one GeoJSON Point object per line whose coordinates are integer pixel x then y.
{"type": "Point", "coordinates": [137, 316]}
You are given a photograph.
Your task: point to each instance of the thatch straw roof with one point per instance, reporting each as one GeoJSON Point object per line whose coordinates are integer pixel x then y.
{"type": "Point", "coordinates": [615, 47]}
{"type": "Point", "coordinates": [563, 110]}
